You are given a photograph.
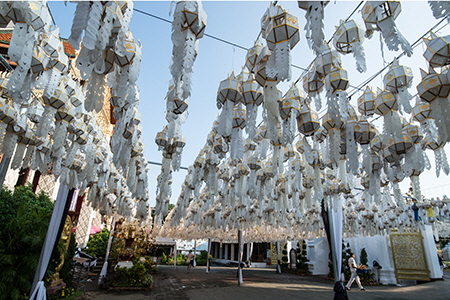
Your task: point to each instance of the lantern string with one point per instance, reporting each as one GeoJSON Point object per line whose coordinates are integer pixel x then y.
{"type": "Point", "coordinates": [414, 45]}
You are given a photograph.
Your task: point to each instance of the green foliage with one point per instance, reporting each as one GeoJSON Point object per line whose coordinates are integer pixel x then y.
{"type": "Point", "coordinates": [66, 294]}
{"type": "Point", "coordinates": [202, 258]}
{"type": "Point", "coordinates": [284, 257]}
{"type": "Point", "coordinates": [66, 271]}
{"type": "Point", "coordinates": [163, 258]}
{"type": "Point", "coordinates": [24, 221]}
{"type": "Point", "coordinates": [363, 257]}
{"type": "Point", "coordinates": [181, 260]}
{"type": "Point", "coordinates": [346, 251]}
{"type": "Point", "coordinates": [98, 243]}
{"type": "Point", "coordinates": [136, 276]}
{"type": "Point", "coordinates": [302, 261]}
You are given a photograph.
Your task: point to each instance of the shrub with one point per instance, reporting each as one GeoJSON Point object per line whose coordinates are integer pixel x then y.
{"type": "Point", "coordinates": [136, 276]}
{"type": "Point", "coordinates": [302, 261]}
{"type": "Point", "coordinates": [98, 243]}
{"type": "Point", "coordinates": [24, 221]}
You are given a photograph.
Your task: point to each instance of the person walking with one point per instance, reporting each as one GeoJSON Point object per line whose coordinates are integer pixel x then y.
{"type": "Point", "coordinates": [353, 269]}
{"type": "Point", "coordinates": [190, 260]}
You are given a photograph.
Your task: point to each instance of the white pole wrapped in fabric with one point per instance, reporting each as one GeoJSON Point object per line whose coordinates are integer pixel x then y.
{"type": "Point", "coordinates": [38, 288]}
{"type": "Point", "coordinates": [207, 258]}
{"type": "Point", "coordinates": [240, 252]}
{"type": "Point", "coordinates": [336, 236]}
{"type": "Point", "coordinates": [104, 270]}
{"type": "Point", "coordinates": [175, 256]}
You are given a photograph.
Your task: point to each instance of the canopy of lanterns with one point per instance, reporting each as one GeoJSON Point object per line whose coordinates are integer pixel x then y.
{"type": "Point", "coordinates": [49, 105]}
{"type": "Point", "coordinates": [275, 180]}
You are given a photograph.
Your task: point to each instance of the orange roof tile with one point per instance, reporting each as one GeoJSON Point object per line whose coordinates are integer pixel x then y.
{"type": "Point", "coordinates": [6, 35]}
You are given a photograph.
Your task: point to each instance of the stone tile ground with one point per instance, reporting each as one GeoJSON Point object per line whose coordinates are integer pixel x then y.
{"type": "Point", "coordinates": [221, 284]}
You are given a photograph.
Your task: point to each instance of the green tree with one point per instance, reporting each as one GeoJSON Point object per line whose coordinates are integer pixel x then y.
{"type": "Point", "coordinates": [302, 261]}
{"type": "Point", "coordinates": [363, 257]}
{"type": "Point", "coordinates": [284, 257]}
{"type": "Point", "coordinates": [24, 221]}
{"type": "Point", "coordinates": [98, 243]}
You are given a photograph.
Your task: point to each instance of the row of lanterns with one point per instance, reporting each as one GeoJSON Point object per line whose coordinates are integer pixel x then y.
{"type": "Point", "coordinates": [275, 184]}
{"type": "Point", "coordinates": [46, 121]}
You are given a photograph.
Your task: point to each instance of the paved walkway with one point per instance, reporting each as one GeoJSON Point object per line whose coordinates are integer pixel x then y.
{"type": "Point", "coordinates": [221, 284]}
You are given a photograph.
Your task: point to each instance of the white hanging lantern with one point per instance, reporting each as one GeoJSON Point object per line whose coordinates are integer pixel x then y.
{"type": "Point", "coordinates": [308, 121]}
{"type": "Point", "coordinates": [433, 86]}
{"type": "Point", "coordinates": [364, 132]}
{"type": "Point", "coordinates": [438, 50]}
{"type": "Point", "coordinates": [348, 38]}
{"type": "Point", "coordinates": [327, 60]}
{"type": "Point", "coordinates": [385, 102]}
{"type": "Point", "coordinates": [251, 58]}
{"type": "Point", "coordinates": [366, 102]}
{"type": "Point", "coordinates": [381, 15]}
{"type": "Point", "coordinates": [282, 34]}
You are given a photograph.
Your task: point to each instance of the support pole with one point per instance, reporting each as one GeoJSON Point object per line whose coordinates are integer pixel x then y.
{"type": "Point", "coordinates": [175, 256]}
{"type": "Point", "coordinates": [38, 288]}
{"type": "Point", "coordinates": [4, 168]}
{"type": "Point", "coordinates": [195, 253]}
{"type": "Point", "coordinates": [208, 267]}
{"type": "Point", "coordinates": [240, 252]}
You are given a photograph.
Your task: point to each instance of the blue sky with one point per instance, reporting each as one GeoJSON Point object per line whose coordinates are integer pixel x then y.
{"type": "Point", "coordinates": [239, 22]}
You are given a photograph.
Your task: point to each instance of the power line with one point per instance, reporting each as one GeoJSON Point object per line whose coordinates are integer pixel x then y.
{"type": "Point", "coordinates": [414, 45]}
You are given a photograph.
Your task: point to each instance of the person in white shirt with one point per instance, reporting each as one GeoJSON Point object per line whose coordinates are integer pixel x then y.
{"type": "Point", "coordinates": [353, 267]}
{"type": "Point", "coordinates": [190, 260]}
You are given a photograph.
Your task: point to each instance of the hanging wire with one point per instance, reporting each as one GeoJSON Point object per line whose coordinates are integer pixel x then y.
{"type": "Point", "coordinates": [414, 45]}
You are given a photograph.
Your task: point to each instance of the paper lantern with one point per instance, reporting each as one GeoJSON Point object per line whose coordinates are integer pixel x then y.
{"type": "Point", "coordinates": [251, 57]}
{"type": "Point", "coordinates": [39, 60]}
{"type": "Point", "coordinates": [281, 26]}
{"type": "Point", "coordinates": [381, 15]}
{"type": "Point", "coordinates": [66, 113]}
{"type": "Point", "coordinates": [414, 132]}
{"type": "Point", "coordinates": [397, 77]}
{"type": "Point", "coordinates": [385, 102]}
{"type": "Point", "coordinates": [127, 57]}
{"type": "Point", "coordinates": [438, 50]}
{"type": "Point", "coordinates": [219, 145]}
{"type": "Point", "coordinates": [321, 134]}
{"type": "Point", "coordinates": [194, 17]}
{"type": "Point", "coordinates": [421, 111]}
{"type": "Point", "coordinates": [399, 146]}
{"type": "Point", "coordinates": [238, 117]}
{"type": "Point", "coordinates": [364, 132]}
{"type": "Point", "coordinates": [307, 121]}
{"type": "Point", "coordinates": [8, 114]}
{"type": "Point", "coordinates": [161, 138]}
{"type": "Point", "coordinates": [376, 143]}
{"type": "Point", "coordinates": [229, 89]}
{"type": "Point", "coordinates": [433, 86]}
{"type": "Point", "coordinates": [290, 103]}
{"type": "Point", "coordinates": [254, 163]}
{"type": "Point", "coordinates": [366, 102]}
{"type": "Point", "coordinates": [376, 162]}
{"type": "Point", "coordinates": [251, 92]}
{"type": "Point", "coordinates": [338, 79]}
{"type": "Point", "coordinates": [57, 99]}
{"type": "Point", "coordinates": [179, 141]}
{"type": "Point", "coordinates": [313, 83]}
{"type": "Point", "coordinates": [332, 123]}
{"type": "Point", "coordinates": [346, 35]}
{"type": "Point", "coordinates": [326, 61]}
